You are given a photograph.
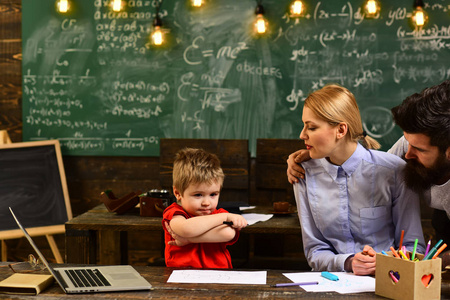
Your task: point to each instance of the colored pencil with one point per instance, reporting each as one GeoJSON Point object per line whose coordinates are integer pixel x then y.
{"type": "Point", "coordinates": [295, 283]}
{"type": "Point", "coordinates": [401, 240]}
{"type": "Point", "coordinates": [394, 252]}
{"type": "Point", "coordinates": [439, 250]}
{"type": "Point", "coordinates": [433, 250]}
{"type": "Point", "coordinates": [428, 248]}
{"type": "Point", "coordinates": [393, 277]}
{"type": "Point", "coordinates": [414, 250]}
{"type": "Point", "coordinates": [403, 254]}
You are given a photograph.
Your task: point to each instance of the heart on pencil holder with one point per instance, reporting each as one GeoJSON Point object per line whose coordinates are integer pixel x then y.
{"type": "Point", "coordinates": [427, 279]}
{"type": "Point", "coordinates": [395, 276]}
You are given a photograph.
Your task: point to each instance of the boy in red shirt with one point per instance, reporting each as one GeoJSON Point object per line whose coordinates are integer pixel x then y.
{"type": "Point", "coordinates": [194, 230]}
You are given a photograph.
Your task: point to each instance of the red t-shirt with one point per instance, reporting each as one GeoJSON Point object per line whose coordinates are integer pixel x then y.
{"type": "Point", "coordinates": [195, 255]}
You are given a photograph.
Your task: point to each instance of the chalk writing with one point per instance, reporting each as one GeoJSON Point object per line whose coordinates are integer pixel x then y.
{"type": "Point", "coordinates": [259, 69]}
{"type": "Point", "coordinates": [377, 121]}
{"type": "Point", "coordinates": [93, 80]}
{"type": "Point", "coordinates": [194, 53]}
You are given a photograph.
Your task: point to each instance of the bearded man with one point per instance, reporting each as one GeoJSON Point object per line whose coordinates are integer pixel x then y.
{"type": "Point", "coordinates": [425, 145]}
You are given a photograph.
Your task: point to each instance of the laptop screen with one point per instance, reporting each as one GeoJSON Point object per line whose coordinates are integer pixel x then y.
{"type": "Point", "coordinates": [41, 256]}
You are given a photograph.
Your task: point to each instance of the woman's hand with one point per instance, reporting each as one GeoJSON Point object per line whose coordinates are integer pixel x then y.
{"type": "Point", "coordinates": [364, 262]}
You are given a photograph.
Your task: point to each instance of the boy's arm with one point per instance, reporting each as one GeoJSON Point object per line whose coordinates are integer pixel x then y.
{"type": "Point", "coordinates": [219, 234]}
{"type": "Point", "coordinates": [197, 226]}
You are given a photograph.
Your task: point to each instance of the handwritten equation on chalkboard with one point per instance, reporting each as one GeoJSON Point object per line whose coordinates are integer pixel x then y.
{"type": "Point", "coordinates": [92, 80]}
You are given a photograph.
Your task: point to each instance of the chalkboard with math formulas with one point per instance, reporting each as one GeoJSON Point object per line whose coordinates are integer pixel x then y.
{"type": "Point", "coordinates": [93, 80]}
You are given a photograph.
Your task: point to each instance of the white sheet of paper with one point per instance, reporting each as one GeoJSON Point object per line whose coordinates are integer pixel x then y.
{"type": "Point", "coordinates": [212, 276]}
{"type": "Point", "coordinates": [254, 218]}
{"type": "Point", "coordinates": [347, 283]}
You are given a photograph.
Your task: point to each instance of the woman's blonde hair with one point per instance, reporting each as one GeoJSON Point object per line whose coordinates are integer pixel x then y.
{"type": "Point", "coordinates": [195, 166]}
{"type": "Point", "coordinates": [335, 104]}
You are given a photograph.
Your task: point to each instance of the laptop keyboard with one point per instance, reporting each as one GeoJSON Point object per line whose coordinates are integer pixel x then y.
{"type": "Point", "coordinates": [87, 278]}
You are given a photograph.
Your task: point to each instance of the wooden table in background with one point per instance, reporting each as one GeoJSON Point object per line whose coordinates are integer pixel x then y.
{"type": "Point", "coordinates": [105, 232]}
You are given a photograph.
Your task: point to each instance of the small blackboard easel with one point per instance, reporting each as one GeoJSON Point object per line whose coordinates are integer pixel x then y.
{"type": "Point", "coordinates": [33, 183]}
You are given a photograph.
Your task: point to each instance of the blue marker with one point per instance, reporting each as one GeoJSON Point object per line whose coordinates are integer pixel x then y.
{"type": "Point", "coordinates": [383, 252]}
{"type": "Point", "coordinates": [329, 276]}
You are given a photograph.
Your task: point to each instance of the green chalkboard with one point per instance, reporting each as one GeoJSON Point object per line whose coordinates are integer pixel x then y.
{"type": "Point", "coordinates": [92, 81]}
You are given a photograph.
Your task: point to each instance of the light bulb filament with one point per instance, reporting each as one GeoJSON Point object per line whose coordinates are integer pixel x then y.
{"type": "Point", "coordinates": [297, 8]}
{"type": "Point", "coordinates": [63, 6]}
{"type": "Point", "coordinates": [117, 5]}
{"type": "Point", "coordinates": [371, 7]}
{"type": "Point", "coordinates": [420, 20]}
{"type": "Point", "coordinates": [157, 36]}
{"type": "Point", "coordinates": [260, 24]}
{"type": "Point", "coordinates": [197, 3]}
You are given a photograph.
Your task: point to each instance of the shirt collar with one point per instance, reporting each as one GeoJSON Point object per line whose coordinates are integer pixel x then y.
{"type": "Point", "coordinates": [348, 167]}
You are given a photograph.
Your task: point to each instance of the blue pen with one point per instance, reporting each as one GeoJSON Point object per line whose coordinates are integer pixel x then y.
{"type": "Point", "coordinates": [329, 276]}
{"type": "Point", "coordinates": [383, 252]}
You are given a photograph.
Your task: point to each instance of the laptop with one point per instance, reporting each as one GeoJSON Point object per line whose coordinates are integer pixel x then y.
{"type": "Point", "coordinates": [90, 279]}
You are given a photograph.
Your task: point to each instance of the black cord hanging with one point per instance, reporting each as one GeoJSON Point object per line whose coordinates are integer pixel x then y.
{"type": "Point", "coordinates": [157, 21]}
{"type": "Point", "coordinates": [418, 3]}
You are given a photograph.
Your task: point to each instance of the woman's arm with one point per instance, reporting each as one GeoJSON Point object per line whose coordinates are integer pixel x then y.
{"type": "Point", "coordinates": [319, 252]}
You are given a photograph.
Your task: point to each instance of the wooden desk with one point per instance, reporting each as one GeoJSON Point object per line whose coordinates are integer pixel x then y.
{"type": "Point", "coordinates": [99, 236]}
{"type": "Point", "coordinates": [158, 276]}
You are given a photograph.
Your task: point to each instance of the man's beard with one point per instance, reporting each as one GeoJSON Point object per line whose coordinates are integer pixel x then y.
{"type": "Point", "coordinates": [420, 179]}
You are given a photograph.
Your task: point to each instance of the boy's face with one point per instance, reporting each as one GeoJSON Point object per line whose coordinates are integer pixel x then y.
{"type": "Point", "coordinates": [199, 199]}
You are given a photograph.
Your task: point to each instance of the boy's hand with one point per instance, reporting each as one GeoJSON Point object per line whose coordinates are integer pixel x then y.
{"type": "Point", "coordinates": [239, 221]}
{"type": "Point", "coordinates": [177, 240]}
{"type": "Point", "coordinates": [364, 262]}
{"type": "Point", "coordinates": [294, 170]}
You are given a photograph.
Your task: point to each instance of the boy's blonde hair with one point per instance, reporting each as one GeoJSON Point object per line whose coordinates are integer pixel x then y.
{"type": "Point", "coordinates": [335, 104]}
{"type": "Point", "coordinates": [195, 166]}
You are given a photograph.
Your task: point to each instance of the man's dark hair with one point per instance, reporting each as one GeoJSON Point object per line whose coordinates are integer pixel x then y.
{"type": "Point", "coordinates": [428, 113]}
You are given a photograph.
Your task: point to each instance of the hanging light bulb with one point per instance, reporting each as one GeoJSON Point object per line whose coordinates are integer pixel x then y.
{"type": "Point", "coordinates": [419, 16]}
{"type": "Point", "coordinates": [157, 36]}
{"type": "Point", "coordinates": [62, 6]}
{"type": "Point", "coordinates": [372, 8]}
{"type": "Point", "coordinates": [116, 5]}
{"type": "Point", "coordinates": [196, 3]}
{"type": "Point", "coordinates": [297, 8]}
{"type": "Point", "coordinates": [260, 22]}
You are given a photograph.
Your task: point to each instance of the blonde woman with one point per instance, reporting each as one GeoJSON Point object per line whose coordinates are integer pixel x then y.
{"type": "Point", "coordinates": [353, 201]}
